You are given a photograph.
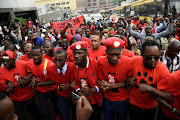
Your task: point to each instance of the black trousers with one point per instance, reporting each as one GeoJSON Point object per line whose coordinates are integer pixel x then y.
{"type": "Point", "coordinates": [96, 115]}
{"type": "Point", "coordinates": [28, 104]}
{"type": "Point", "coordinates": [137, 113]}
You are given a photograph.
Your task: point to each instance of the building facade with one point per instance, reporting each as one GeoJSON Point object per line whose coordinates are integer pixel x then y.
{"type": "Point", "coordinates": [9, 9]}
{"type": "Point", "coordinates": [99, 4]}
{"type": "Point", "coordinates": [64, 4]}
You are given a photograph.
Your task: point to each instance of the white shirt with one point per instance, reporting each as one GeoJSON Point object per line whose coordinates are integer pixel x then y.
{"type": "Point", "coordinates": [64, 68]}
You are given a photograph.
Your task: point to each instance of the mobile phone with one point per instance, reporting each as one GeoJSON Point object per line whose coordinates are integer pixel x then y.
{"type": "Point", "coordinates": [76, 97]}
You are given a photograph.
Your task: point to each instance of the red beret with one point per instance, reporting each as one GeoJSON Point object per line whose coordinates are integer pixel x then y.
{"type": "Point", "coordinates": [114, 42]}
{"type": "Point", "coordinates": [79, 45]}
{"type": "Point", "coordinates": [113, 32]}
{"type": "Point", "coordinates": [9, 53]}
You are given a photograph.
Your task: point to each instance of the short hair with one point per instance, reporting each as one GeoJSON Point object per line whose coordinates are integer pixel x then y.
{"type": "Point", "coordinates": [81, 30]}
{"type": "Point", "coordinates": [95, 32]}
{"type": "Point", "coordinates": [149, 43]}
{"type": "Point", "coordinates": [61, 51]}
{"type": "Point", "coordinates": [87, 29]}
{"type": "Point", "coordinates": [7, 40]}
{"type": "Point", "coordinates": [36, 47]}
{"type": "Point", "coordinates": [13, 45]}
{"type": "Point", "coordinates": [2, 96]}
{"type": "Point", "coordinates": [119, 26]}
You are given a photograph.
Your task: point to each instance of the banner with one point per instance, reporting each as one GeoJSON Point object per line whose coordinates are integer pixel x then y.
{"type": "Point", "coordinates": [75, 23]}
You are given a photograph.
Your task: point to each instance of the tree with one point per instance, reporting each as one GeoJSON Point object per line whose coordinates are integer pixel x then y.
{"type": "Point", "coordinates": [119, 1]}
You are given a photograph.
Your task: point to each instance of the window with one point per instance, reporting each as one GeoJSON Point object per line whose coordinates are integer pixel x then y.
{"type": "Point", "coordinates": [57, 3]}
{"type": "Point", "coordinates": [94, 4]}
{"type": "Point", "coordinates": [100, 3]}
{"type": "Point", "coordinates": [89, 4]}
{"type": "Point", "coordinates": [52, 4]}
{"type": "Point", "coordinates": [68, 7]}
{"type": "Point", "coordinates": [63, 3]}
{"type": "Point", "coordinates": [104, 3]}
{"type": "Point", "coordinates": [67, 2]}
{"type": "Point", "coordinates": [89, 0]}
{"type": "Point", "coordinates": [94, 0]}
{"type": "Point", "coordinates": [64, 7]}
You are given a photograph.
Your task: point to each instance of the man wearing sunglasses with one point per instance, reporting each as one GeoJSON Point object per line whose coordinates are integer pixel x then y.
{"type": "Point", "coordinates": [171, 56]}
{"type": "Point", "coordinates": [146, 70]}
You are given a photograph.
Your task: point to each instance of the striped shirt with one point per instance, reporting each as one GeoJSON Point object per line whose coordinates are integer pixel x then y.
{"type": "Point", "coordinates": [173, 65]}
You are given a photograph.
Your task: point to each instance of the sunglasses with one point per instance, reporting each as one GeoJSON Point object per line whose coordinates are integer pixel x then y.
{"type": "Point", "coordinates": [148, 57]}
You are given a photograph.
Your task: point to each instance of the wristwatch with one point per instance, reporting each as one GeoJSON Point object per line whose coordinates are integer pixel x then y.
{"type": "Point", "coordinates": [173, 110]}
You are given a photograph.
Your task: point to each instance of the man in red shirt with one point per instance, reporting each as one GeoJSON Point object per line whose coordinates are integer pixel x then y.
{"type": "Point", "coordinates": [90, 26]}
{"type": "Point", "coordinates": [49, 51]}
{"type": "Point", "coordinates": [115, 68]}
{"type": "Point", "coordinates": [85, 75]}
{"type": "Point", "coordinates": [27, 50]}
{"type": "Point", "coordinates": [148, 70]}
{"type": "Point", "coordinates": [96, 50]}
{"type": "Point", "coordinates": [120, 34]}
{"type": "Point", "coordinates": [168, 89]}
{"type": "Point", "coordinates": [78, 31]}
{"type": "Point", "coordinates": [37, 68]}
{"type": "Point", "coordinates": [14, 81]}
{"type": "Point", "coordinates": [60, 73]}
{"type": "Point", "coordinates": [65, 47]}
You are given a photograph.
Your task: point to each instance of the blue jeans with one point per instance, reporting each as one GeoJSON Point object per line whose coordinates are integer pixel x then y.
{"type": "Point", "coordinates": [30, 105]}
{"type": "Point", "coordinates": [110, 108]}
{"type": "Point", "coordinates": [64, 104]}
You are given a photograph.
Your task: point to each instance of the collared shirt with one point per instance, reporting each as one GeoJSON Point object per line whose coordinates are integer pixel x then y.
{"type": "Point", "coordinates": [64, 68]}
{"type": "Point", "coordinates": [173, 65]}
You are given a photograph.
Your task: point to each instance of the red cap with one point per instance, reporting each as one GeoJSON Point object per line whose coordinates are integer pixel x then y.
{"type": "Point", "coordinates": [157, 19]}
{"type": "Point", "coordinates": [79, 45]}
{"type": "Point", "coordinates": [9, 53]}
{"type": "Point", "coordinates": [113, 32]}
{"type": "Point", "coordinates": [114, 42]}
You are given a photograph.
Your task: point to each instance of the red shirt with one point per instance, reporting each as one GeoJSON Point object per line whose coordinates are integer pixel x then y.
{"type": "Point", "coordinates": [87, 40]}
{"type": "Point", "coordinates": [48, 57]}
{"type": "Point", "coordinates": [92, 28]}
{"type": "Point", "coordinates": [95, 54]}
{"type": "Point", "coordinates": [24, 57]}
{"type": "Point", "coordinates": [53, 74]}
{"type": "Point", "coordinates": [88, 76]}
{"type": "Point", "coordinates": [125, 40]}
{"type": "Point", "coordinates": [145, 75]}
{"type": "Point", "coordinates": [18, 94]}
{"type": "Point", "coordinates": [37, 72]}
{"type": "Point", "coordinates": [141, 27]}
{"type": "Point", "coordinates": [117, 74]}
{"type": "Point", "coordinates": [49, 38]}
{"type": "Point", "coordinates": [128, 53]}
{"type": "Point", "coordinates": [137, 22]}
{"type": "Point", "coordinates": [171, 84]}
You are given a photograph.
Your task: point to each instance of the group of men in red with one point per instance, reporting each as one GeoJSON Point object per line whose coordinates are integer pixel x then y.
{"type": "Point", "coordinates": [111, 77]}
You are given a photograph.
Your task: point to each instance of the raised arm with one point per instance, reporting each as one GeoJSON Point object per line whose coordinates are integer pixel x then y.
{"type": "Point", "coordinates": [63, 31]}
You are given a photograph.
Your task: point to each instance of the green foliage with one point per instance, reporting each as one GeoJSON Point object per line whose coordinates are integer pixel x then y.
{"type": "Point", "coordinates": [22, 20]}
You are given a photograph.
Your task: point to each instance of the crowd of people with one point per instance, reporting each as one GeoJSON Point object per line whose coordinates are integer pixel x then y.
{"type": "Point", "coordinates": [118, 70]}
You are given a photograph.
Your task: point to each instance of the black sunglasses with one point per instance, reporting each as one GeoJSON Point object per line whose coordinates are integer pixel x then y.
{"type": "Point", "coordinates": [148, 57]}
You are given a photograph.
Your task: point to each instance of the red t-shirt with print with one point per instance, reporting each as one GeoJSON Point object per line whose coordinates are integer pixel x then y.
{"type": "Point", "coordinates": [95, 54]}
{"type": "Point", "coordinates": [146, 76]}
{"type": "Point", "coordinates": [18, 94]}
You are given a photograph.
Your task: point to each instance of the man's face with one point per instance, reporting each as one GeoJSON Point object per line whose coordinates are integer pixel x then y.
{"type": "Point", "coordinates": [105, 25]}
{"type": "Point", "coordinates": [28, 48]}
{"type": "Point", "coordinates": [173, 51]}
{"type": "Point", "coordinates": [120, 30]}
{"type": "Point", "coordinates": [6, 43]}
{"type": "Point", "coordinates": [11, 48]}
{"type": "Point", "coordinates": [48, 48]}
{"type": "Point", "coordinates": [78, 31]}
{"type": "Point", "coordinates": [37, 55]}
{"type": "Point", "coordinates": [56, 31]}
{"type": "Point", "coordinates": [151, 56]}
{"type": "Point", "coordinates": [87, 32]}
{"type": "Point", "coordinates": [8, 63]}
{"type": "Point", "coordinates": [79, 56]}
{"type": "Point", "coordinates": [64, 44]}
{"type": "Point", "coordinates": [95, 42]}
{"type": "Point", "coordinates": [60, 60]}
{"type": "Point", "coordinates": [158, 22]}
{"type": "Point", "coordinates": [7, 110]}
{"type": "Point", "coordinates": [113, 55]}
{"type": "Point", "coordinates": [148, 31]}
